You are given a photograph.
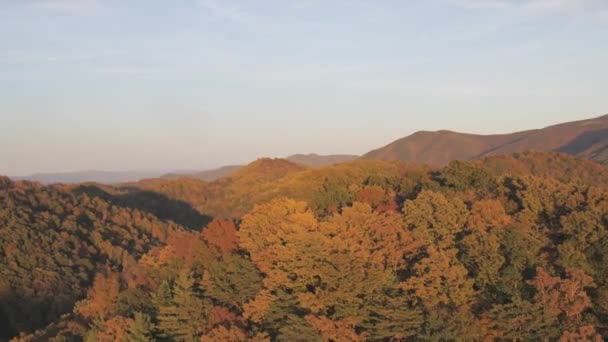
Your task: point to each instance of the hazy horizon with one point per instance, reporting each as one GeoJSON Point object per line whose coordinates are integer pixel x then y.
{"type": "Point", "coordinates": [111, 85]}
{"type": "Point", "coordinates": [188, 170]}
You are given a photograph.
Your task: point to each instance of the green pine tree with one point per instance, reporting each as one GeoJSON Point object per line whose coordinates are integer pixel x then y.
{"type": "Point", "coordinates": [163, 295]}
{"type": "Point", "coordinates": [185, 317]}
{"type": "Point", "coordinates": [141, 329]}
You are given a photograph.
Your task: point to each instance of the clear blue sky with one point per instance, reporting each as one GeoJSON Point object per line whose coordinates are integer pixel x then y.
{"type": "Point", "coordinates": [157, 84]}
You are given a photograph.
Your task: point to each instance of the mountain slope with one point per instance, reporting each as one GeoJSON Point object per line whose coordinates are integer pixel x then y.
{"type": "Point", "coordinates": [439, 148]}
{"type": "Point", "coordinates": [54, 238]}
{"type": "Point", "coordinates": [586, 138]}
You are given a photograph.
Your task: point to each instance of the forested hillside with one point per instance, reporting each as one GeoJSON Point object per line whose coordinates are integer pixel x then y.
{"type": "Point", "coordinates": [53, 241]}
{"type": "Point", "coordinates": [508, 247]}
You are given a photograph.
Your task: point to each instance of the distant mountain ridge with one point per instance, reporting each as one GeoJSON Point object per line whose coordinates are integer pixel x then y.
{"type": "Point", "coordinates": [207, 175]}
{"type": "Point", "coordinates": [586, 138]}
{"type": "Point", "coordinates": [104, 177]}
{"type": "Point", "coordinates": [114, 177]}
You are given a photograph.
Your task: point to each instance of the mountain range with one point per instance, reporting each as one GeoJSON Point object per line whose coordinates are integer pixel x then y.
{"type": "Point", "coordinates": [120, 262]}
{"type": "Point", "coordinates": [104, 177]}
{"type": "Point", "coordinates": [587, 139]}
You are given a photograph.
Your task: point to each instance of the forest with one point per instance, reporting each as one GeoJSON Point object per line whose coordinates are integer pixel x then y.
{"type": "Point", "coordinates": [504, 248]}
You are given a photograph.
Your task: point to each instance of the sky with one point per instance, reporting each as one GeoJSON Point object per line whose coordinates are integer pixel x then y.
{"type": "Point", "coordinates": [196, 84]}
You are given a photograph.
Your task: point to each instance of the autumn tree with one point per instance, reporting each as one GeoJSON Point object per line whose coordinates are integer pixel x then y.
{"type": "Point", "coordinates": [101, 296]}
{"type": "Point", "coordinates": [440, 280]}
{"type": "Point", "coordinates": [221, 234]}
{"type": "Point", "coordinates": [433, 218]}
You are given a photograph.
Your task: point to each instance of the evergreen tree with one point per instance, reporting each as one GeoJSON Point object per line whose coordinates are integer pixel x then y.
{"type": "Point", "coordinates": [141, 329]}
{"type": "Point", "coordinates": [185, 317]}
{"type": "Point", "coordinates": [162, 296]}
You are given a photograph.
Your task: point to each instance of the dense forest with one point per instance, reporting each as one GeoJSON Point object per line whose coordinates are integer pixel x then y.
{"type": "Point", "coordinates": [510, 247]}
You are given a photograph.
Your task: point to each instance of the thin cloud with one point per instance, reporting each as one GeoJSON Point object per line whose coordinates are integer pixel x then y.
{"type": "Point", "coordinates": [225, 10]}
{"type": "Point", "coordinates": [481, 3]}
{"type": "Point", "coordinates": [537, 5]}
{"type": "Point", "coordinates": [70, 6]}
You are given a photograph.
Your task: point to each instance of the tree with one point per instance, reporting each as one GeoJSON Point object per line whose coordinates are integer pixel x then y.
{"type": "Point", "coordinates": [141, 329]}
{"type": "Point", "coordinates": [378, 198]}
{"type": "Point", "coordinates": [185, 316]}
{"type": "Point", "coordinates": [562, 296]}
{"type": "Point", "coordinates": [221, 333]}
{"type": "Point", "coordinates": [336, 331]}
{"type": "Point", "coordinates": [101, 296]}
{"type": "Point", "coordinates": [221, 234]}
{"type": "Point", "coordinates": [463, 176]}
{"type": "Point", "coordinates": [112, 330]}
{"type": "Point", "coordinates": [487, 215]}
{"type": "Point", "coordinates": [274, 233]}
{"type": "Point", "coordinates": [584, 334]}
{"type": "Point", "coordinates": [521, 320]}
{"type": "Point", "coordinates": [482, 257]}
{"type": "Point", "coordinates": [393, 318]}
{"type": "Point", "coordinates": [379, 238]}
{"type": "Point", "coordinates": [434, 219]}
{"type": "Point", "coordinates": [440, 280]}
{"type": "Point", "coordinates": [231, 280]}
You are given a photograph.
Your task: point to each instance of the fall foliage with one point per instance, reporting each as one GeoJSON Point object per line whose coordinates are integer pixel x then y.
{"type": "Point", "coordinates": [495, 249]}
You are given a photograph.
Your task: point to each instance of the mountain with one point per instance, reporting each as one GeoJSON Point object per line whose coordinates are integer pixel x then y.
{"type": "Point", "coordinates": [267, 169]}
{"type": "Point", "coordinates": [587, 139]}
{"type": "Point", "coordinates": [104, 177]}
{"type": "Point", "coordinates": [315, 160]}
{"type": "Point", "coordinates": [310, 160]}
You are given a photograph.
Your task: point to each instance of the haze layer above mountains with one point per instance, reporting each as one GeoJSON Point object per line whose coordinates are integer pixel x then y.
{"type": "Point", "coordinates": [586, 139]}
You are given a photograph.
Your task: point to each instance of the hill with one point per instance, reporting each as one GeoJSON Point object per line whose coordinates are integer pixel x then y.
{"type": "Point", "coordinates": [586, 138]}
{"type": "Point", "coordinates": [266, 169]}
{"type": "Point", "coordinates": [227, 197]}
{"type": "Point", "coordinates": [310, 160]}
{"type": "Point", "coordinates": [53, 239]}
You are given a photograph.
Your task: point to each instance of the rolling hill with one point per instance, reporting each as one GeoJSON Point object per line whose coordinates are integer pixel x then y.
{"type": "Point", "coordinates": [586, 138]}
{"type": "Point", "coordinates": [309, 160]}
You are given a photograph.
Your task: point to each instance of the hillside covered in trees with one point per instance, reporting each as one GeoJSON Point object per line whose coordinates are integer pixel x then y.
{"type": "Point", "coordinates": [508, 247]}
